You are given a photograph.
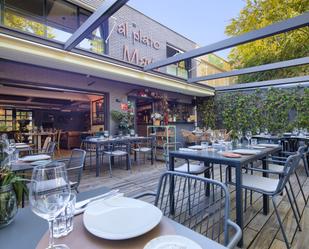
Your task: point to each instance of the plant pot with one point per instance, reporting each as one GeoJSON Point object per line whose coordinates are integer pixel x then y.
{"type": "Point", "coordinates": [157, 122]}
{"type": "Point", "coordinates": [8, 205]}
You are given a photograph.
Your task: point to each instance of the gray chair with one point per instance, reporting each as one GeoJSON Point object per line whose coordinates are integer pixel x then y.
{"type": "Point", "coordinates": [117, 150]}
{"type": "Point", "coordinates": [75, 165]}
{"type": "Point", "coordinates": [199, 203]}
{"type": "Point", "coordinates": [142, 148]}
{"type": "Point", "coordinates": [184, 166]}
{"type": "Point", "coordinates": [276, 163]}
{"type": "Point", "coordinates": [274, 187]}
{"type": "Point", "coordinates": [49, 149]}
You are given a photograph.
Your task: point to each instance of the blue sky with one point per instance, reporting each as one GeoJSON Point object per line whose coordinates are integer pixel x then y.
{"type": "Point", "coordinates": [203, 21]}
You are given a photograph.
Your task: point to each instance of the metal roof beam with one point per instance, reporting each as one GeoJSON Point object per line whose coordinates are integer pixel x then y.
{"type": "Point", "coordinates": [266, 67]}
{"type": "Point", "coordinates": [271, 30]}
{"type": "Point", "coordinates": [262, 84]}
{"type": "Point", "coordinates": [107, 9]}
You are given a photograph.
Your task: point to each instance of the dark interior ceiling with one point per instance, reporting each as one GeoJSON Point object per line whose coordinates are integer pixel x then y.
{"type": "Point", "coordinates": [42, 103]}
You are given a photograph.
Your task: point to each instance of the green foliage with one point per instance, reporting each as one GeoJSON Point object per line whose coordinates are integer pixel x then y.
{"type": "Point", "coordinates": [206, 112]}
{"type": "Point", "coordinates": [278, 110]}
{"type": "Point", "coordinates": [294, 44]}
{"type": "Point", "coordinates": [123, 119]}
{"type": "Point", "coordinates": [3, 127]}
{"type": "Point", "coordinates": [8, 177]}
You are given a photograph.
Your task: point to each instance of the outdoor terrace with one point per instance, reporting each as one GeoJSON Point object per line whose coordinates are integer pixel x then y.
{"type": "Point", "coordinates": [260, 231]}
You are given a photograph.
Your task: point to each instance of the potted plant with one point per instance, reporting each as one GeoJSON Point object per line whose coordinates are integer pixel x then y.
{"type": "Point", "coordinates": [156, 117]}
{"type": "Point", "coordinates": [124, 120]}
{"type": "Point", "coordinates": [12, 188]}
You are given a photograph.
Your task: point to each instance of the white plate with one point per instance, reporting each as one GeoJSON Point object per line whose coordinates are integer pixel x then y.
{"type": "Point", "coordinates": [34, 158]}
{"type": "Point", "coordinates": [196, 147]}
{"type": "Point", "coordinates": [17, 144]}
{"type": "Point", "coordinates": [172, 242]}
{"type": "Point", "coordinates": [269, 145]}
{"type": "Point", "coordinates": [40, 162]}
{"type": "Point", "coordinates": [22, 146]}
{"type": "Point", "coordinates": [120, 218]}
{"type": "Point", "coordinates": [258, 147]}
{"type": "Point", "coordinates": [247, 152]}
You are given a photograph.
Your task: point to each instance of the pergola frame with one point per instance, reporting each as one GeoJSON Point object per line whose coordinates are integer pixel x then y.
{"type": "Point", "coordinates": [268, 31]}
{"type": "Point", "coordinates": [262, 68]}
{"type": "Point", "coordinates": [109, 7]}
{"type": "Point", "coordinates": [106, 10]}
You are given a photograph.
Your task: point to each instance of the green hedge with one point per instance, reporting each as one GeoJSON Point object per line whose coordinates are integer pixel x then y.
{"type": "Point", "coordinates": [278, 110]}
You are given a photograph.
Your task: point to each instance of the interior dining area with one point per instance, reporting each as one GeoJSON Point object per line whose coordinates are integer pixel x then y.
{"type": "Point", "coordinates": [32, 115]}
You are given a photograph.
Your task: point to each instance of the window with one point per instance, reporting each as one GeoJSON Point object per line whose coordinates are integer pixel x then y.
{"type": "Point", "coordinates": [6, 120]}
{"type": "Point", "coordinates": [98, 110]}
{"type": "Point", "coordinates": [33, 7]}
{"type": "Point", "coordinates": [51, 19]}
{"type": "Point", "coordinates": [179, 69]}
{"type": "Point", "coordinates": [24, 117]}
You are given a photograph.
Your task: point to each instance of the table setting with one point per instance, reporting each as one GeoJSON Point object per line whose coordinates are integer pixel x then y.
{"type": "Point", "coordinates": [109, 220]}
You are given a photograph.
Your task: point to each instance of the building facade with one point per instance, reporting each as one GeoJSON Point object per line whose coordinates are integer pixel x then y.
{"type": "Point", "coordinates": [108, 63]}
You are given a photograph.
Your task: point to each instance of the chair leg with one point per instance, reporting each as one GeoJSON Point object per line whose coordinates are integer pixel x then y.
{"type": "Point", "coordinates": [295, 200]}
{"type": "Point", "coordinates": [305, 161]}
{"type": "Point", "coordinates": [293, 209]}
{"type": "Point", "coordinates": [110, 166]}
{"type": "Point", "coordinates": [301, 188]}
{"type": "Point", "coordinates": [280, 224]}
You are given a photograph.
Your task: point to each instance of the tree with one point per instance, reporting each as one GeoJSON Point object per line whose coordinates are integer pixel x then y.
{"type": "Point", "coordinates": [290, 45]}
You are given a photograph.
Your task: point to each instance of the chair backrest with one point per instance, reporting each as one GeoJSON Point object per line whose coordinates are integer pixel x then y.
{"type": "Point", "coordinates": [288, 169]}
{"type": "Point", "coordinates": [198, 203]}
{"type": "Point", "coordinates": [116, 146]}
{"type": "Point", "coordinates": [168, 147]}
{"type": "Point", "coordinates": [75, 166]}
{"type": "Point", "coordinates": [45, 145]}
{"type": "Point", "coordinates": [59, 132]}
{"type": "Point", "coordinates": [302, 150]}
{"type": "Point", "coordinates": [50, 148]}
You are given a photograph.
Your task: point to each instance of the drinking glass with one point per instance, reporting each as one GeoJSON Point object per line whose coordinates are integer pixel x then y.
{"type": "Point", "coordinates": [63, 224]}
{"type": "Point", "coordinates": [106, 134]}
{"type": "Point", "coordinates": [266, 131]}
{"type": "Point", "coordinates": [254, 142]}
{"type": "Point", "coordinates": [49, 194]}
{"type": "Point", "coordinates": [248, 136]}
{"type": "Point", "coordinates": [204, 145]}
{"type": "Point", "coordinates": [258, 131]}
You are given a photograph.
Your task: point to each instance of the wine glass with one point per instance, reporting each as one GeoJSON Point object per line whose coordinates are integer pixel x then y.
{"type": "Point", "coordinates": [49, 194]}
{"type": "Point", "coordinates": [258, 131]}
{"type": "Point", "coordinates": [221, 140]}
{"type": "Point", "coordinates": [248, 136]}
{"type": "Point", "coordinates": [239, 136]}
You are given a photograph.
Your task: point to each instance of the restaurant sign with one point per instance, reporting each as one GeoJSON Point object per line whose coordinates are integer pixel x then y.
{"type": "Point", "coordinates": [133, 55]}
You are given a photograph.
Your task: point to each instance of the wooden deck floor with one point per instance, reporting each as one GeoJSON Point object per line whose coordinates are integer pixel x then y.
{"type": "Point", "coordinates": [261, 232]}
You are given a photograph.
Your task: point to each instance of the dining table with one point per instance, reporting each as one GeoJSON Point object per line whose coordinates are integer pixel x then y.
{"type": "Point", "coordinates": [289, 140]}
{"type": "Point", "coordinates": [98, 143]}
{"type": "Point", "coordinates": [30, 231]}
{"type": "Point", "coordinates": [216, 157]}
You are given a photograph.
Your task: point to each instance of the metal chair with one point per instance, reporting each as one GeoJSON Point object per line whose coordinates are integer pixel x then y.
{"type": "Point", "coordinates": [276, 163]}
{"type": "Point", "coordinates": [184, 167]}
{"type": "Point", "coordinates": [117, 150]}
{"type": "Point", "coordinates": [142, 148]}
{"type": "Point", "coordinates": [75, 165]}
{"type": "Point", "coordinates": [274, 187]}
{"type": "Point", "coordinates": [198, 203]}
{"type": "Point", "coordinates": [48, 150]}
